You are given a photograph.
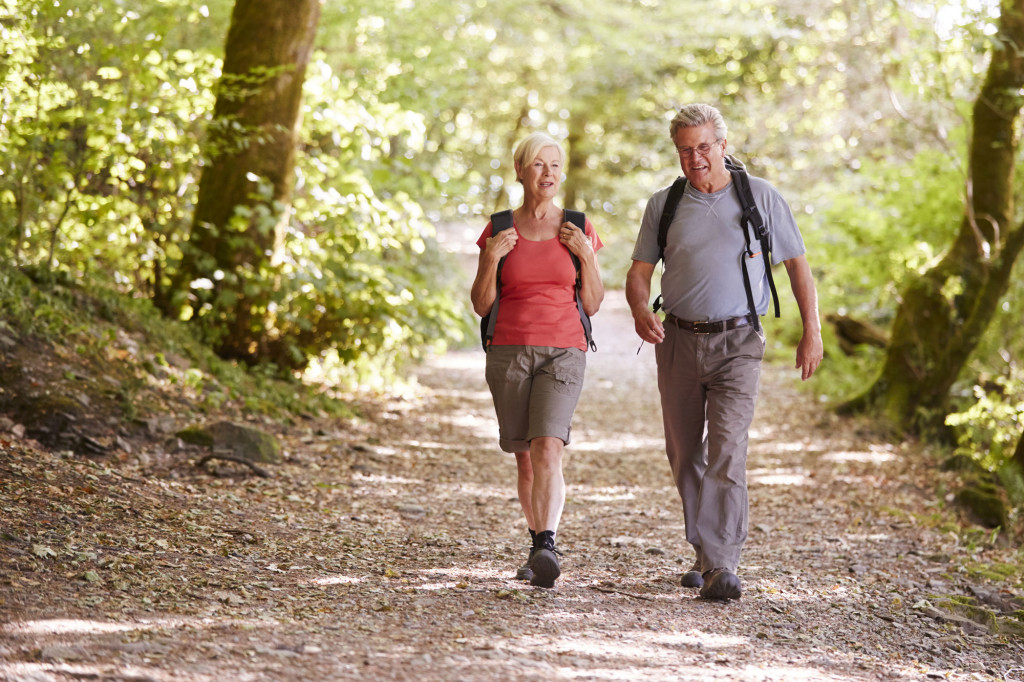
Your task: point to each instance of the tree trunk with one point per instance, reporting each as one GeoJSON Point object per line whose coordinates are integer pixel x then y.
{"type": "Point", "coordinates": [945, 311]}
{"type": "Point", "coordinates": [1018, 454]}
{"type": "Point", "coordinates": [246, 187]}
{"type": "Point", "coordinates": [576, 149]}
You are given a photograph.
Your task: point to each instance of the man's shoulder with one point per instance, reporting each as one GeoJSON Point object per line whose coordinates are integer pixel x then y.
{"type": "Point", "coordinates": [758, 183]}
{"type": "Point", "coordinates": [659, 197]}
{"type": "Point", "coordinates": [764, 191]}
{"type": "Point", "coordinates": [662, 192]}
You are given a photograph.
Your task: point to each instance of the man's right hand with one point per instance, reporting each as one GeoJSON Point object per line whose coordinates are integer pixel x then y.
{"type": "Point", "coordinates": [638, 295]}
{"type": "Point", "coordinates": [649, 327]}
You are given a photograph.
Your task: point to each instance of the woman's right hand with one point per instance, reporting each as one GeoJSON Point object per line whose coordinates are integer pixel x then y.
{"type": "Point", "coordinates": [501, 244]}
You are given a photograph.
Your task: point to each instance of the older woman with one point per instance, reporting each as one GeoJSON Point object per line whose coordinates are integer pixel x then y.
{"type": "Point", "coordinates": [536, 359]}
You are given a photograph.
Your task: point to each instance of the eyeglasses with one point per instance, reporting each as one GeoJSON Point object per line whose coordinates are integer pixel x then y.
{"type": "Point", "coordinates": [701, 149]}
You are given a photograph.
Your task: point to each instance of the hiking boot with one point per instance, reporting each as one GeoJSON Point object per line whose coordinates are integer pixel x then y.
{"type": "Point", "coordinates": [693, 578]}
{"type": "Point", "coordinates": [544, 561]}
{"type": "Point", "coordinates": [525, 572]}
{"type": "Point", "coordinates": [721, 584]}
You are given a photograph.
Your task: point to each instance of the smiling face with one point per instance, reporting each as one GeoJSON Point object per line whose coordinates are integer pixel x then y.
{"type": "Point", "coordinates": [542, 177]}
{"type": "Point", "coordinates": [702, 157]}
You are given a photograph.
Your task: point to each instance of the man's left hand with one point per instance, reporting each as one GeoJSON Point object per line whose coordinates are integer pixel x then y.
{"type": "Point", "coordinates": [809, 353]}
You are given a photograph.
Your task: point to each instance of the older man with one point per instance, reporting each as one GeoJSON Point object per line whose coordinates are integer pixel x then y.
{"type": "Point", "coordinates": [710, 344]}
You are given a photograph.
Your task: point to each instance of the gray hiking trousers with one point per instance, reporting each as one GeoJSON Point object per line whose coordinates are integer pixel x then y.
{"type": "Point", "coordinates": [708, 385]}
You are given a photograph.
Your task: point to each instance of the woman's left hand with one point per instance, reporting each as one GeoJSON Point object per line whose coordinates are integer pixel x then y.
{"type": "Point", "coordinates": [575, 240]}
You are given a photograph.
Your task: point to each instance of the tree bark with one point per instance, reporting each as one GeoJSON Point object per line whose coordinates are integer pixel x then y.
{"type": "Point", "coordinates": [576, 149]}
{"type": "Point", "coordinates": [1018, 454]}
{"type": "Point", "coordinates": [944, 312]}
{"type": "Point", "coordinates": [251, 161]}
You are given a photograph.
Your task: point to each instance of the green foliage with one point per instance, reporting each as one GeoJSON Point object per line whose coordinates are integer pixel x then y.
{"type": "Point", "coordinates": [989, 427]}
{"type": "Point", "coordinates": [105, 109]}
{"type": "Point", "coordinates": [98, 142]}
{"type": "Point", "coordinates": [855, 110]}
{"type": "Point", "coordinates": [128, 339]}
{"type": "Point", "coordinates": [865, 236]}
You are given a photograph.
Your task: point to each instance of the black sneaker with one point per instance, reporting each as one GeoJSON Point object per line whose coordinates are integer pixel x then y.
{"type": "Point", "coordinates": [693, 578]}
{"type": "Point", "coordinates": [544, 561]}
{"type": "Point", "coordinates": [525, 572]}
{"type": "Point", "coordinates": [721, 584]}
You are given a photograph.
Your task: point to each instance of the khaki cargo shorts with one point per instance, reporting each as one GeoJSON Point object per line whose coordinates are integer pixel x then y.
{"type": "Point", "coordinates": [535, 391]}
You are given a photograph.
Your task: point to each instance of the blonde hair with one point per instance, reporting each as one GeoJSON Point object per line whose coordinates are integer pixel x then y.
{"type": "Point", "coordinates": [529, 149]}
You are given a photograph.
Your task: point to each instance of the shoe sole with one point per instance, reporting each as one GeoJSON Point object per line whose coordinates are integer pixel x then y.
{"type": "Point", "coordinates": [545, 568]}
{"type": "Point", "coordinates": [717, 590]}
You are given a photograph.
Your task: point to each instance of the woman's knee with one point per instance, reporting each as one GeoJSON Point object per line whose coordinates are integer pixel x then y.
{"type": "Point", "coordinates": [524, 465]}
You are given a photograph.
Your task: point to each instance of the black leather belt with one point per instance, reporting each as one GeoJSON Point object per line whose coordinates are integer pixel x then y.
{"type": "Point", "coordinates": [712, 327]}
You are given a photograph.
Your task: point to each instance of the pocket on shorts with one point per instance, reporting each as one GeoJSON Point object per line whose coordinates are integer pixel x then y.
{"type": "Point", "coordinates": [566, 383]}
{"type": "Point", "coordinates": [568, 372]}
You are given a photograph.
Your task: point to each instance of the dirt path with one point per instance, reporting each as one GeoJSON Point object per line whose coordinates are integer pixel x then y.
{"type": "Point", "coordinates": [384, 549]}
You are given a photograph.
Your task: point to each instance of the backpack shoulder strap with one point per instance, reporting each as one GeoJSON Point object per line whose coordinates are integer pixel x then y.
{"type": "Point", "coordinates": [502, 220]}
{"type": "Point", "coordinates": [675, 193]}
{"type": "Point", "coordinates": [752, 216]}
{"type": "Point", "coordinates": [579, 219]}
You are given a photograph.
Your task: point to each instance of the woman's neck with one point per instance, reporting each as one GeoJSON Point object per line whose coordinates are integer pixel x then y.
{"type": "Point", "coordinates": [537, 209]}
{"type": "Point", "coordinates": [538, 220]}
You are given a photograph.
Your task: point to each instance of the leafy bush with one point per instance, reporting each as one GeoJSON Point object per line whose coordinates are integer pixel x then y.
{"type": "Point", "coordinates": [105, 107]}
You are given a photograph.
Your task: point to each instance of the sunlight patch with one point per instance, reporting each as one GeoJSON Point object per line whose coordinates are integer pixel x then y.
{"type": "Point", "coordinates": [605, 497]}
{"type": "Point", "coordinates": [874, 456]}
{"type": "Point", "coordinates": [455, 578]}
{"type": "Point", "coordinates": [470, 490]}
{"type": "Point", "coordinates": [639, 645]}
{"type": "Point", "coordinates": [618, 443]}
{"type": "Point", "coordinates": [780, 446]}
{"type": "Point", "coordinates": [766, 477]}
{"type": "Point", "coordinates": [464, 394]}
{"type": "Point", "coordinates": [459, 361]}
{"type": "Point", "coordinates": [337, 580]}
{"type": "Point", "coordinates": [65, 626]}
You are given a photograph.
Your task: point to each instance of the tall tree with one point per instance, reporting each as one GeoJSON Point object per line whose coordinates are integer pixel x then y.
{"type": "Point", "coordinates": [246, 188]}
{"type": "Point", "coordinates": [944, 312]}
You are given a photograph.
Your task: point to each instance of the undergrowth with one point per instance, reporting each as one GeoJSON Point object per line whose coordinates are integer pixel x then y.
{"type": "Point", "coordinates": [105, 327]}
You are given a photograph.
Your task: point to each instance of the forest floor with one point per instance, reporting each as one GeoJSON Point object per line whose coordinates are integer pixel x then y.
{"type": "Point", "coordinates": [384, 548]}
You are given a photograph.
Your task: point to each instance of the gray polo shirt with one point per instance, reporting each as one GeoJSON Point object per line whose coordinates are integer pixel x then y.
{"type": "Point", "coordinates": [702, 277]}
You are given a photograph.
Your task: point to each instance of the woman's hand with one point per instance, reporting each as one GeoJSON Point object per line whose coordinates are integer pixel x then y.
{"type": "Point", "coordinates": [501, 244]}
{"type": "Point", "coordinates": [576, 241]}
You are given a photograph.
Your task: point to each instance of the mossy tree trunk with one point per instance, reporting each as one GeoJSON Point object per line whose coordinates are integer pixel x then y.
{"type": "Point", "coordinates": [1018, 454]}
{"type": "Point", "coordinates": [944, 312]}
{"type": "Point", "coordinates": [247, 181]}
{"type": "Point", "coordinates": [576, 148]}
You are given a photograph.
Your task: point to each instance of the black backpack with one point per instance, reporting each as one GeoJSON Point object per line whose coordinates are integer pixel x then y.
{"type": "Point", "coordinates": [751, 216]}
{"type": "Point", "coordinates": [502, 220]}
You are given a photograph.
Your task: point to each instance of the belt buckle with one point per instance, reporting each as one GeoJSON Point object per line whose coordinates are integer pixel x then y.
{"type": "Point", "coordinates": [701, 328]}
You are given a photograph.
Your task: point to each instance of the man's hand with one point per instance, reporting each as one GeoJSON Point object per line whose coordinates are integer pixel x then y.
{"type": "Point", "coordinates": [809, 353]}
{"type": "Point", "coordinates": [810, 350]}
{"type": "Point", "coordinates": [638, 293]}
{"type": "Point", "coordinates": [649, 327]}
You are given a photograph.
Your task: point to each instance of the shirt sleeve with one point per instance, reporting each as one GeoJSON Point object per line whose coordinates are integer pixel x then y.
{"type": "Point", "coordinates": [595, 240]}
{"type": "Point", "coordinates": [484, 236]}
{"type": "Point", "coordinates": [646, 248]}
{"type": "Point", "coordinates": [786, 240]}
